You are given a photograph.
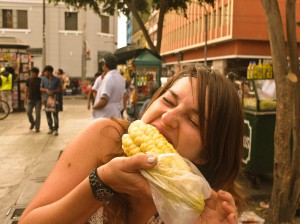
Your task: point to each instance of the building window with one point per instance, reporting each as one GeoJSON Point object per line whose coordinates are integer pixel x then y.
{"type": "Point", "coordinates": [22, 19]}
{"type": "Point", "coordinates": [220, 17]}
{"type": "Point", "coordinates": [7, 18]}
{"type": "Point", "coordinates": [71, 21]}
{"type": "Point", "coordinates": [214, 19]}
{"type": "Point", "coordinates": [200, 25]}
{"type": "Point", "coordinates": [209, 22]}
{"type": "Point", "coordinates": [13, 19]}
{"type": "Point", "coordinates": [104, 24]}
{"type": "Point", "coordinates": [226, 16]}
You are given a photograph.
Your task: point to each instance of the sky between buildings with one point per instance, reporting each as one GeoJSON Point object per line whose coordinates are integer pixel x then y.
{"type": "Point", "coordinates": [122, 37]}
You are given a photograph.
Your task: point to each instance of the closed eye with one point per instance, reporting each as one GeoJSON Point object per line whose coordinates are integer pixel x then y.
{"type": "Point", "coordinates": [167, 101]}
{"type": "Point", "coordinates": [193, 122]}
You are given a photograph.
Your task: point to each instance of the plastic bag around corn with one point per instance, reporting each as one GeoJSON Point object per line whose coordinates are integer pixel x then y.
{"type": "Point", "coordinates": [178, 189]}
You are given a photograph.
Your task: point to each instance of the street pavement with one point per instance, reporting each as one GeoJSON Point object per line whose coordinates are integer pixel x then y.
{"type": "Point", "coordinates": [27, 157]}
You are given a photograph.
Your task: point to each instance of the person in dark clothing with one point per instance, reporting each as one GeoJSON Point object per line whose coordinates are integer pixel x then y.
{"type": "Point", "coordinates": [51, 85]}
{"type": "Point", "coordinates": [33, 99]}
{"type": "Point", "coordinates": [60, 74]}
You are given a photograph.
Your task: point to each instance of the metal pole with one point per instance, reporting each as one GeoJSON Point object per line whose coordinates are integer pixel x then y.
{"type": "Point", "coordinates": [83, 64]}
{"type": "Point", "coordinates": [206, 31]}
{"type": "Point", "coordinates": [44, 34]}
{"type": "Point", "coordinates": [205, 47]}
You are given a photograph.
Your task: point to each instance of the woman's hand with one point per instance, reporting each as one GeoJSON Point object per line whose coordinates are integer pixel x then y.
{"type": "Point", "coordinates": [219, 209]}
{"type": "Point", "coordinates": [122, 175]}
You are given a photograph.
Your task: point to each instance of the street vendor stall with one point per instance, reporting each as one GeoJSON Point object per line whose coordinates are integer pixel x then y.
{"type": "Point", "coordinates": [259, 101]}
{"type": "Point", "coordinates": [144, 68]}
{"type": "Point", "coordinates": [14, 57]}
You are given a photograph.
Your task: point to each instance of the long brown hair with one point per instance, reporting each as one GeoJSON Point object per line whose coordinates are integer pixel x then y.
{"type": "Point", "coordinates": [222, 131]}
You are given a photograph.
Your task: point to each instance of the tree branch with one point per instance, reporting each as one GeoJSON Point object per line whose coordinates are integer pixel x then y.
{"type": "Point", "coordinates": [139, 20]}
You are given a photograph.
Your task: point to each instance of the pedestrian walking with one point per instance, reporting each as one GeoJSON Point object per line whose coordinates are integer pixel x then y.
{"type": "Point", "coordinates": [6, 85]}
{"type": "Point", "coordinates": [109, 98]}
{"type": "Point", "coordinates": [93, 91]}
{"type": "Point", "coordinates": [33, 99]}
{"type": "Point", "coordinates": [64, 82]}
{"type": "Point", "coordinates": [51, 86]}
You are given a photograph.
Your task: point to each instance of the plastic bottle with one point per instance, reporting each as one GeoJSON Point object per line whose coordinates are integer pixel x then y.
{"type": "Point", "coordinates": [268, 70]}
{"type": "Point", "coordinates": [254, 69]}
{"type": "Point", "coordinates": [264, 68]}
{"type": "Point", "coordinates": [259, 69]}
{"type": "Point", "coordinates": [249, 71]}
{"type": "Point", "coordinates": [271, 70]}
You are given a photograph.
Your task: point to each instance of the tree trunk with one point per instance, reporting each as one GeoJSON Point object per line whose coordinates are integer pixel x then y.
{"type": "Point", "coordinates": [280, 207]}
{"type": "Point", "coordinates": [294, 64]}
{"type": "Point", "coordinates": [161, 17]}
{"type": "Point", "coordinates": [132, 8]}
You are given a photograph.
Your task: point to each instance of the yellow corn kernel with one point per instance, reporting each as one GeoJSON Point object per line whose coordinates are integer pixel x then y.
{"type": "Point", "coordinates": [143, 137]}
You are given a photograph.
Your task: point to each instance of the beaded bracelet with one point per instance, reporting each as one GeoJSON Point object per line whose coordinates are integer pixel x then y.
{"type": "Point", "coordinates": [101, 191]}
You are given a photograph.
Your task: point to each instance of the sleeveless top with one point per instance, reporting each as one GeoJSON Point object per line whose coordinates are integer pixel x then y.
{"type": "Point", "coordinates": [99, 217]}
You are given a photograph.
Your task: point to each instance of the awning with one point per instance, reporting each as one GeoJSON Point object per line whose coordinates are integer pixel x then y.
{"type": "Point", "coordinates": [125, 53]}
{"type": "Point", "coordinates": [12, 42]}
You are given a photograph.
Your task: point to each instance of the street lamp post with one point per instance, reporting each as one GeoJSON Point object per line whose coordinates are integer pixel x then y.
{"type": "Point", "coordinates": [44, 34]}
{"type": "Point", "coordinates": [206, 31]}
{"type": "Point", "coordinates": [84, 49]}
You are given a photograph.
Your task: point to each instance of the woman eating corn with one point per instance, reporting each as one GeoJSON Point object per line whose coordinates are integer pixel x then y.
{"type": "Point", "coordinates": [197, 111]}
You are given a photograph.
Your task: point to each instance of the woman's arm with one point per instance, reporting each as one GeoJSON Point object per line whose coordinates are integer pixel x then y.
{"type": "Point", "coordinates": [66, 196]}
{"type": "Point", "coordinates": [89, 98]}
{"type": "Point", "coordinates": [67, 188]}
{"type": "Point", "coordinates": [75, 207]}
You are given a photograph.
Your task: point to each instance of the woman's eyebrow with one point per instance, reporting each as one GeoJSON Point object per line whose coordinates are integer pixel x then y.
{"type": "Point", "coordinates": [173, 94]}
{"type": "Point", "coordinates": [194, 110]}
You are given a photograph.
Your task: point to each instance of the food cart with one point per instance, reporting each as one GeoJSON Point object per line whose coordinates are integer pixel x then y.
{"type": "Point", "coordinates": [259, 102]}
{"type": "Point", "coordinates": [14, 57]}
{"type": "Point", "coordinates": [144, 68]}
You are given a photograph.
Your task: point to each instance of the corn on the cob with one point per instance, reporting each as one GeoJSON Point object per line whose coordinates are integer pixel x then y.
{"type": "Point", "coordinates": [144, 138]}
{"type": "Point", "coordinates": [176, 179]}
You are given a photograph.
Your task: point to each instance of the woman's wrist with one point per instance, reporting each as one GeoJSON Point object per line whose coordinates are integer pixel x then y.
{"type": "Point", "coordinates": [101, 191]}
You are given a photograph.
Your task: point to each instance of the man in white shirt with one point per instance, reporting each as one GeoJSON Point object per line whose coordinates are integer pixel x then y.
{"type": "Point", "coordinates": [110, 92]}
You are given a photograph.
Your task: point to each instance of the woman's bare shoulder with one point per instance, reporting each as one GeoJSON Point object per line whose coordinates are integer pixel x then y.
{"type": "Point", "coordinates": [105, 128]}
{"type": "Point", "coordinates": [105, 136]}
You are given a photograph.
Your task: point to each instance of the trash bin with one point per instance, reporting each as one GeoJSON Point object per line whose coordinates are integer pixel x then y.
{"type": "Point", "coordinates": [258, 142]}
{"type": "Point", "coordinates": [259, 102]}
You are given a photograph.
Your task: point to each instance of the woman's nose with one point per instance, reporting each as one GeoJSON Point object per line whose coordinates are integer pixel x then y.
{"type": "Point", "coordinates": [170, 118]}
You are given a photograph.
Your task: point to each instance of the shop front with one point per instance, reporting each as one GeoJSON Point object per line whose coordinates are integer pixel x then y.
{"type": "Point", "coordinates": [143, 68]}
{"type": "Point", "coordinates": [14, 57]}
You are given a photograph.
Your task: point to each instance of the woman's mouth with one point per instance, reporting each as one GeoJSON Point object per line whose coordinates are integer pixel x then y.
{"type": "Point", "coordinates": [163, 132]}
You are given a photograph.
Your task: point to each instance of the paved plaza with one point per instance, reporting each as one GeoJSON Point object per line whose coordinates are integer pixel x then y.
{"type": "Point", "coordinates": [27, 157]}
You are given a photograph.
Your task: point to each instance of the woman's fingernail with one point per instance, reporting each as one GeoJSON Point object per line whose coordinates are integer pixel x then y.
{"type": "Point", "coordinates": [222, 192]}
{"type": "Point", "coordinates": [150, 159]}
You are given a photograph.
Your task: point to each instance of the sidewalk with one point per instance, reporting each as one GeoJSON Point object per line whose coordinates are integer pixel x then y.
{"type": "Point", "coordinates": [28, 157]}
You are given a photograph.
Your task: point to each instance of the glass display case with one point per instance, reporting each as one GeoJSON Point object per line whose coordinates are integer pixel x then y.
{"type": "Point", "coordinates": [146, 82]}
{"type": "Point", "coordinates": [259, 94]}
{"type": "Point", "coordinates": [145, 72]}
